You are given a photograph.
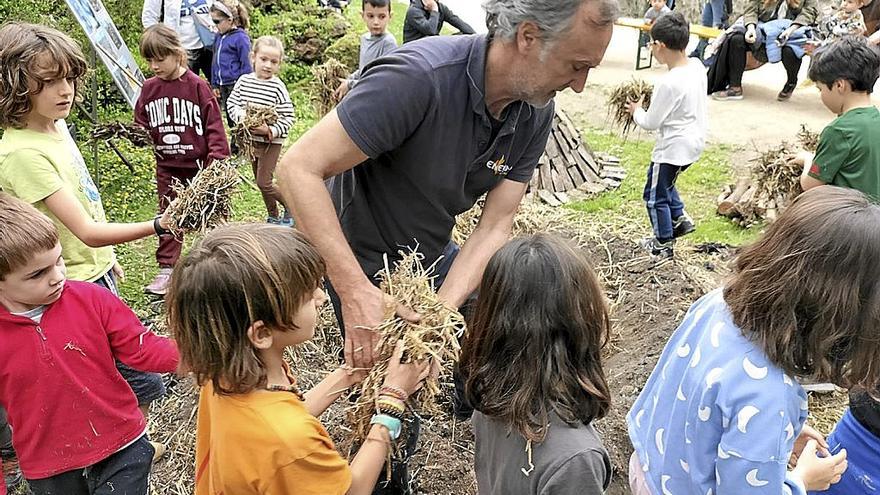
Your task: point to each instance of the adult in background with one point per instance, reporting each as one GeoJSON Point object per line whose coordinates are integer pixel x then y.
{"type": "Point", "coordinates": [771, 27]}
{"type": "Point", "coordinates": [426, 17]}
{"type": "Point", "coordinates": [191, 20]}
{"type": "Point", "coordinates": [715, 14]}
{"type": "Point", "coordinates": [429, 129]}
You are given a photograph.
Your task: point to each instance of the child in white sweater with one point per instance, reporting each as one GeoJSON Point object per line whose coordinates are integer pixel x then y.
{"type": "Point", "coordinates": [678, 113]}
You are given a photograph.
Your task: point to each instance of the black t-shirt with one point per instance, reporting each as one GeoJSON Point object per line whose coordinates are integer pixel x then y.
{"type": "Point", "coordinates": [420, 115]}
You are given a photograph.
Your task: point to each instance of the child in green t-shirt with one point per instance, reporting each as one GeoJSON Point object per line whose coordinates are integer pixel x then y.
{"type": "Point", "coordinates": [848, 154]}
{"type": "Point", "coordinates": [41, 164]}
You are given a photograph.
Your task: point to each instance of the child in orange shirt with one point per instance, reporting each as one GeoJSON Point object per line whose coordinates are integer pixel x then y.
{"type": "Point", "coordinates": [238, 299]}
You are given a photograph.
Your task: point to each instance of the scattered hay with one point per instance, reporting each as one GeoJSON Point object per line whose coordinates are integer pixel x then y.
{"type": "Point", "coordinates": [326, 79]}
{"type": "Point", "coordinates": [532, 217]}
{"type": "Point", "coordinates": [826, 410]}
{"type": "Point", "coordinates": [435, 336]}
{"type": "Point", "coordinates": [621, 95]}
{"type": "Point", "coordinates": [135, 134]}
{"type": "Point", "coordinates": [809, 140]}
{"type": "Point", "coordinates": [207, 201]}
{"type": "Point", "coordinates": [254, 116]}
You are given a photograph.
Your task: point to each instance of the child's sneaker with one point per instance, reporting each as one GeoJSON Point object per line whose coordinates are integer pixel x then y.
{"type": "Point", "coordinates": [728, 94]}
{"type": "Point", "coordinates": [657, 247]}
{"type": "Point", "coordinates": [158, 450]}
{"type": "Point", "coordinates": [682, 225]}
{"type": "Point", "coordinates": [273, 220]}
{"type": "Point", "coordinates": [159, 285]}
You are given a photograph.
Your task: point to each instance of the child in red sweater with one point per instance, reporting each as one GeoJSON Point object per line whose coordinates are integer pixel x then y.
{"type": "Point", "coordinates": [183, 118]}
{"type": "Point", "coordinates": [76, 424]}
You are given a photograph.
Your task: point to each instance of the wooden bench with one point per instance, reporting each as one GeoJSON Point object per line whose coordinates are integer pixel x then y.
{"type": "Point", "coordinates": [644, 29]}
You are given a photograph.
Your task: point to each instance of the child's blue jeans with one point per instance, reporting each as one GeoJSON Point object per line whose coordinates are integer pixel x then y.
{"type": "Point", "coordinates": [662, 199]}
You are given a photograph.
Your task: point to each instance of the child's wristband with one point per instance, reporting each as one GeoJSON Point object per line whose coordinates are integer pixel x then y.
{"type": "Point", "coordinates": [160, 230]}
{"type": "Point", "coordinates": [391, 423]}
{"type": "Point", "coordinates": [395, 392]}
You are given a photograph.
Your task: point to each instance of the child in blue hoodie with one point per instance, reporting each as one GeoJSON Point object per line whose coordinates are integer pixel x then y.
{"type": "Point", "coordinates": [232, 48]}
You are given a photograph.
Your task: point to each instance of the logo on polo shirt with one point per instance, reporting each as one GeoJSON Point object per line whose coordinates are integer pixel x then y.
{"type": "Point", "coordinates": [499, 167]}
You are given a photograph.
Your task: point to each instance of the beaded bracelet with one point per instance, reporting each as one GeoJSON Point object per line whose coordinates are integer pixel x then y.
{"type": "Point", "coordinates": [393, 392]}
{"type": "Point", "coordinates": [394, 408]}
{"type": "Point", "coordinates": [396, 403]}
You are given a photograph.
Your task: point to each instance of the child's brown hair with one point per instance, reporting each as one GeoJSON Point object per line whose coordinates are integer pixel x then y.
{"type": "Point", "coordinates": [534, 343]}
{"type": "Point", "coordinates": [160, 41]}
{"type": "Point", "coordinates": [238, 275]}
{"type": "Point", "coordinates": [239, 11]}
{"type": "Point", "coordinates": [31, 55]}
{"type": "Point", "coordinates": [24, 231]}
{"type": "Point", "coordinates": [808, 292]}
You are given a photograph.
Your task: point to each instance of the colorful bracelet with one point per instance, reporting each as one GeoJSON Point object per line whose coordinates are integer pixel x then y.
{"type": "Point", "coordinates": [394, 392]}
{"type": "Point", "coordinates": [386, 407]}
{"type": "Point", "coordinates": [391, 399]}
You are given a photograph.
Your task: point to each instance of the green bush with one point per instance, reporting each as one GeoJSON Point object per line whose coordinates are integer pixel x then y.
{"type": "Point", "coordinates": [306, 32]}
{"type": "Point", "coordinates": [346, 50]}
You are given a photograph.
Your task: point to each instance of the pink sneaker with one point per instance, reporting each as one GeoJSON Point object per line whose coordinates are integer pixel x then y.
{"type": "Point", "coordinates": [159, 285]}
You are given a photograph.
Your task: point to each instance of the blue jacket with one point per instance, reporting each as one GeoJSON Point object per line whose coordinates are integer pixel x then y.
{"type": "Point", "coordinates": [232, 52]}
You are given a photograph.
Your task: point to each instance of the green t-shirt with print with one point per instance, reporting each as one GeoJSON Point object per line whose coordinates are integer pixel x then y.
{"type": "Point", "coordinates": [848, 154]}
{"type": "Point", "coordinates": [35, 165]}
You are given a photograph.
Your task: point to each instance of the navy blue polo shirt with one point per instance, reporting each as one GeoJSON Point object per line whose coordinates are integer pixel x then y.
{"type": "Point", "coordinates": [420, 116]}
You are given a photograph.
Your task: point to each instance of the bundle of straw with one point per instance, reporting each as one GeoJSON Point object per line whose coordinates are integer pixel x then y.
{"type": "Point", "coordinates": [435, 337]}
{"type": "Point", "coordinates": [327, 78]}
{"type": "Point", "coordinates": [207, 201]}
{"type": "Point", "coordinates": [776, 173]}
{"type": "Point", "coordinates": [809, 140]}
{"type": "Point", "coordinates": [621, 95]}
{"type": "Point", "coordinates": [135, 134]}
{"type": "Point", "coordinates": [254, 116]}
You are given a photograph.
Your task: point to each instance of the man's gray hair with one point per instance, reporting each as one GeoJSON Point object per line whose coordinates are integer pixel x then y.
{"type": "Point", "coordinates": [553, 17]}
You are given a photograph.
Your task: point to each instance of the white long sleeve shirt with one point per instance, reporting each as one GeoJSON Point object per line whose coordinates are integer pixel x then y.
{"type": "Point", "coordinates": [679, 114]}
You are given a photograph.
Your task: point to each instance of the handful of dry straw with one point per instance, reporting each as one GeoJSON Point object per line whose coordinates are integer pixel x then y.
{"type": "Point", "coordinates": [254, 116]}
{"type": "Point", "coordinates": [808, 139]}
{"type": "Point", "coordinates": [435, 336]}
{"type": "Point", "coordinates": [207, 201]}
{"type": "Point", "coordinates": [619, 98]}
{"type": "Point", "coordinates": [326, 80]}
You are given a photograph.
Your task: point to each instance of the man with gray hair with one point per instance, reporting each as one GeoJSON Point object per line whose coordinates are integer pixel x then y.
{"type": "Point", "coordinates": [428, 130]}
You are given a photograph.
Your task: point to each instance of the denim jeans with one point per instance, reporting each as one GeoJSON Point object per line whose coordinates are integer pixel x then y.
{"type": "Point", "coordinates": [662, 199]}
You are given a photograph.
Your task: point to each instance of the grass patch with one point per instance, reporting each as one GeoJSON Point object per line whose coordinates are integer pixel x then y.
{"type": "Point", "coordinates": [699, 187]}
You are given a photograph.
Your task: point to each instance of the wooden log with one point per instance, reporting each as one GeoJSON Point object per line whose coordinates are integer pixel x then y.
{"type": "Point", "coordinates": [567, 184]}
{"type": "Point", "coordinates": [592, 187]}
{"type": "Point", "coordinates": [575, 175]}
{"type": "Point", "coordinates": [726, 207]}
{"type": "Point", "coordinates": [724, 193]}
{"type": "Point", "coordinates": [548, 197]}
{"type": "Point", "coordinates": [588, 162]}
{"type": "Point", "coordinates": [745, 206]}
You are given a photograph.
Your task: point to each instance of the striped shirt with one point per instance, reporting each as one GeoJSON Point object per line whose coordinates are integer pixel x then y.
{"type": "Point", "coordinates": [266, 92]}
